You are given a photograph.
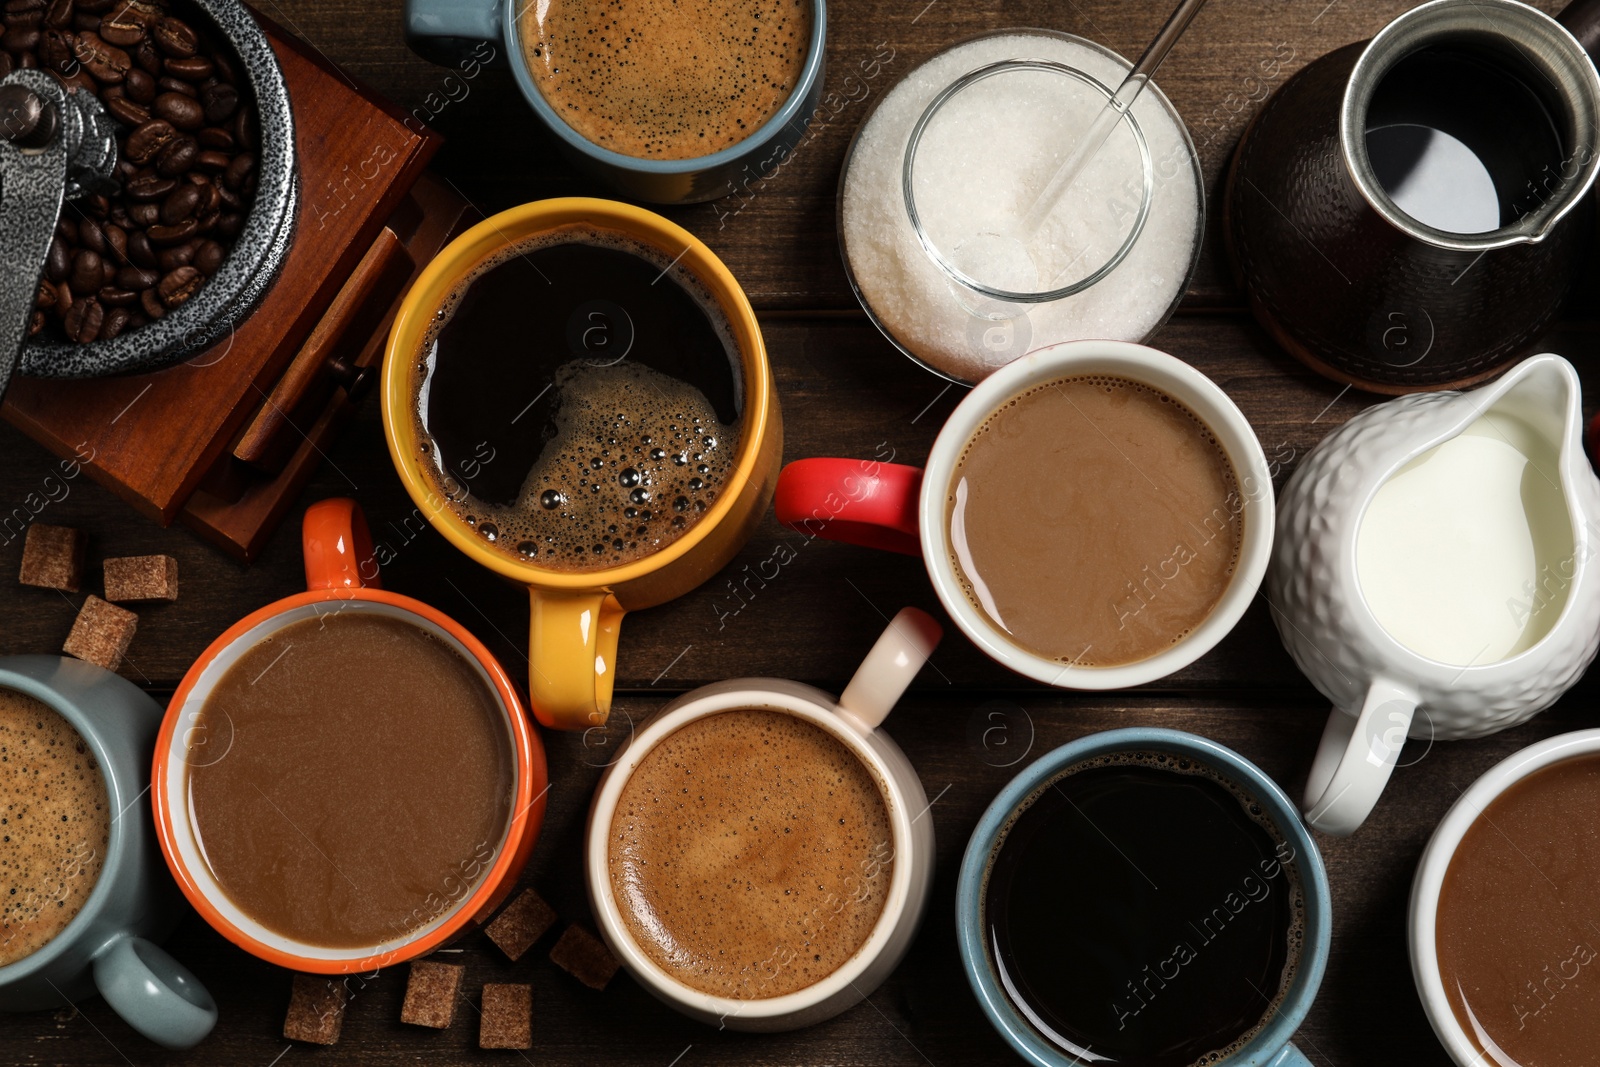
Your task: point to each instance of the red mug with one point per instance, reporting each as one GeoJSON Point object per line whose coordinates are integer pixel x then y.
{"type": "Point", "coordinates": [903, 509]}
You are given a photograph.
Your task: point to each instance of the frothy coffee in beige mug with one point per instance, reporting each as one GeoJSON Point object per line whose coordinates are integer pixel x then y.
{"type": "Point", "coordinates": [751, 854]}
{"type": "Point", "coordinates": [1095, 520]}
{"type": "Point", "coordinates": [55, 822]}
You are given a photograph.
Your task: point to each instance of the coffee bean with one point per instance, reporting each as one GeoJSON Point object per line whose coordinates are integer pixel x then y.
{"type": "Point", "coordinates": [20, 39]}
{"type": "Point", "coordinates": [177, 156]}
{"type": "Point", "coordinates": [106, 62]}
{"type": "Point", "coordinates": [136, 278]}
{"type": "Point", "coordinates": [210, 197]}
{"type": "Point", "coordinates": [116, 240]}
{"type": "Point", "coordinates": [141, 87]}
{"type": "Point", "coordinates": [124, 27]}
{"type": "Point", "coordinates": [150, 301]}
{"type": "Point", "coordinates": [36, 323]}
{"type": "Point", "coordinates": [213, 161]}
{"type": "Point", "coordinates": [230, 199]}
{"type": "Point", "coordinates": [127, 111]}
{"type": "Point", "coordinates": [209, 222]}
{"type": "Point", "coordinates": [229, 225]}
{"type": "Point", "coordinates": [162, 235]}
{"type": "Point", "coordinates": [180, 204]}
{"type": "Point", "coordinates": [170, 259]}
{"type": "Point", "coordinates": [111, 296]}
{"type": "Point", "coordinates": [184, 112]}
{"type": "Point", "coordinates": [63, 297]}
{"type": "Point", "coordinates": [5, 64]}
{"type": "Point", "coordinates": [98, 206]}
{"type": "Point", "coordinates": [140, 251]}
{"type": "Point", "coordinates": [96, 7]}
{"type": "Point", "coordinates": [177, 287]}
{"type": "Point", "coordinates": [117, 320]}
{"type": "Point", "coordinates": [216, 138]}
{"type": "Point", "coordinates": [91, 237]}
{"type": "Point", "coordinates": [58, 16]}
{"type": "Point", "coordinates": [148, 56]}
{"type": "Point", "coordinates": [244, 128]}
{"type": "Point", "coordinates": [58, 262]}
{"type": "Point", "coordinates": [209, 256]}
{"type": "Point", "coordinates": [108, 271]}
{"type": "Point", "coordinates": [85, 276]}
{"type": "Point", "coordinates": [149, 187]}
{"type": "Point", "coordinates": [168, 84]}
{"type": "Point", "coordinates": [238, 170]}
{"type": "Point", "coordinates": [193, 69]}
{"type": "Point", "coordinates": [55, 51]}
{"type": "Point", "coordinates": [144, 142]}
{"type": "Point", "coordinates": [224, 67]}
{"type": "Point", "coordinates": [143, 215]}
{"type": "Point", "coordinates": [176, 38]}
{"type": "Point", "coordinates": [220, 101]}
{"type": "Point", "coordinates": [83, 322]}
{"type": "Point", "coordinates": [45, 298]}
{"type": "Point", "coordinates": [78, 79]}
{"type": "Point", "coordinates": [67, 230]}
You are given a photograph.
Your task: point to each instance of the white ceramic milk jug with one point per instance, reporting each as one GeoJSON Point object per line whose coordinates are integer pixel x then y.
{"type": "Point", "coordinates": [1434, 573]}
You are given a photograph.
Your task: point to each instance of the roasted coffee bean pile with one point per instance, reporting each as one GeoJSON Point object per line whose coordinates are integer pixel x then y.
{"type": "Point", "coordinates": [186, 143]}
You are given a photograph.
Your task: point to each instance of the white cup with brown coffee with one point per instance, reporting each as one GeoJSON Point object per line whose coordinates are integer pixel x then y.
{"type": "Point", "coordinates": [1505, 950]}
{"type": "Point", "coordinates": [760, 854]}
{"type": "Point", "coordinates": [1094, 515]}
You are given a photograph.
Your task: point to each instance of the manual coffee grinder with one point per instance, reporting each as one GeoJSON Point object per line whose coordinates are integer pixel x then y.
{"type": "Point", "coordinates": [216, 414]}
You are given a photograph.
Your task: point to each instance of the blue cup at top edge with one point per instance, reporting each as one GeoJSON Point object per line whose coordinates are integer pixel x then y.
{"type": "Point", "coordinates": [1268, 1048]}
{"type": "Point", "coordinates": [453, 32]}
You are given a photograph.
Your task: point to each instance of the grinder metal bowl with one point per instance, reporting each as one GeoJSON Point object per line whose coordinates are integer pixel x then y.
{"type": "Point", "coordinates": [60, 155]}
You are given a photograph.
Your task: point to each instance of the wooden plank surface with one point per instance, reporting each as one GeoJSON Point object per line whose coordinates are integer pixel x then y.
{"type": "Point", "coordinates": [846, 392]}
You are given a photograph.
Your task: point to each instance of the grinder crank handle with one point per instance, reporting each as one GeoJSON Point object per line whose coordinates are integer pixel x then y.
{"type": "Point", "coordinates": [55, 144]}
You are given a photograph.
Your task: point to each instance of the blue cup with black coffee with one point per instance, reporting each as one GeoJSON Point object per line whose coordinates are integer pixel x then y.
{"type": "Point", "coordinates": [1146, 898]}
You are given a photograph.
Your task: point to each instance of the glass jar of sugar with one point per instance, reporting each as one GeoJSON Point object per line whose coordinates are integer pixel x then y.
{"type": "Point", "coordinates": [950, 247]}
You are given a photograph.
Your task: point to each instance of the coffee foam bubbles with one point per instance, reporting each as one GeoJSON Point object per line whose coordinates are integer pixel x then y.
{"type": "Point", "coordinates": [54, 824]}
{"type": "Point", "coordinates": [666, 81]}
{"type": "Point", "coordinates": [751, 854]}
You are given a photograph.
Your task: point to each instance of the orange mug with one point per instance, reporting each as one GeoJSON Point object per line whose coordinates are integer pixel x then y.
{"type": "Point", "coordinates": [576, 617]}
{"type": "Point", "coordinates": [341, 576]}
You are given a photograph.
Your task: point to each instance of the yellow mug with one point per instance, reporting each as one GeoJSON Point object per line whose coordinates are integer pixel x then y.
{"type": "Point", "coordinates": [576, 617]}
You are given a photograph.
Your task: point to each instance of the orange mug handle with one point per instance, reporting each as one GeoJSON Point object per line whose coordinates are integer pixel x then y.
{"type": "Point", "coordinates": [859, 502]}
{"type": "Point", "coordinates": [337, 546]}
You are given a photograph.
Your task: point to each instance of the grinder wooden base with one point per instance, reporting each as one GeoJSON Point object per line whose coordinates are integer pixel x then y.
{"type": "Point", "coordinates": [225, 441]}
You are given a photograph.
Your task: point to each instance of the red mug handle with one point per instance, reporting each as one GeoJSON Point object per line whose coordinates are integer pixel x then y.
{"type": "Point", "coordinates": [338, 547]}
{"type": "Point", "coordinates": [857, 501]}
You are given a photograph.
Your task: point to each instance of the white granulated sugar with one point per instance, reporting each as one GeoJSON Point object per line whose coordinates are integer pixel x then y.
{"type": "Point", "coordinates": [980, 164]}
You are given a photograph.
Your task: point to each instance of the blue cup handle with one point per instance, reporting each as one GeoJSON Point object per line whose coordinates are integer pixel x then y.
{"type": "Point", "coordinates": [154, 993]}
{"type": "Point", "coordinates": [1290, 1057]}
{"type": "Point", "coordinates": [447, 31]}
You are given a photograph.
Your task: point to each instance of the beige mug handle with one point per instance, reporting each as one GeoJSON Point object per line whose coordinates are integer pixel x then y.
{"type": "Point", "coordinates": [896, 657]}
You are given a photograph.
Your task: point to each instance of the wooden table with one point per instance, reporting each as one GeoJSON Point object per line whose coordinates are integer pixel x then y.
{"type": "Point", "coordinates": [845, 391]}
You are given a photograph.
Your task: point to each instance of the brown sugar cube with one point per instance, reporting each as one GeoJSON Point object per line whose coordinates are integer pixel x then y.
{"type": "Point", "coordinates": [521, 924]}
{"type": "Point", "coordinates": [585, 957]}
{"type": "Point", "coordinates": [101, 633]}
{"type": "Point", "coordinates": [316, 1010]}
{"type": "Point", "coordinates": [506, 1020]}
{"type": "Point", "coordinates": [131, 578]}
{"type": "Point", "coordinates": [431, 994]}
{"type": "Point", "coordinates": [52, 557]}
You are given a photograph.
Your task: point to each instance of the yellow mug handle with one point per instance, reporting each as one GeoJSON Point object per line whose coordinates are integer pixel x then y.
{"type": "Point", "coordinates": [572, 661]}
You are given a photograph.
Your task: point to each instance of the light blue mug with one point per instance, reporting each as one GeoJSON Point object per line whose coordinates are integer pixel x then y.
{"type": "Point", "coordinates": [454, 32]}
{"type": "Point", "coordinates": [109, 945]}
{"type": "Point", "coordinates": [1270, 1046]}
